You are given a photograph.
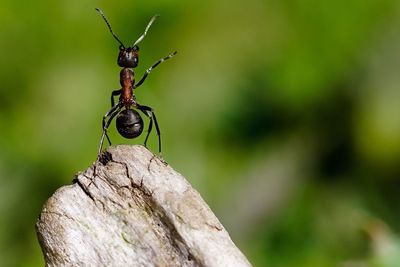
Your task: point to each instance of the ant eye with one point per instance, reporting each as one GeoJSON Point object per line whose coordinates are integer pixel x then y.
{"type": "Point", "coordinates": [121, 47]}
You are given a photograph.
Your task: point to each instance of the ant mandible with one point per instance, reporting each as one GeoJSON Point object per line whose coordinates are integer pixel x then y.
{"type": "Point", "coordinates": [129, 122]}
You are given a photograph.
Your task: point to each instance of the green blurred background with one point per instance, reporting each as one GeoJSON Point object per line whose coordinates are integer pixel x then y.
{"type": "Point", "coordinates": [284, 115]}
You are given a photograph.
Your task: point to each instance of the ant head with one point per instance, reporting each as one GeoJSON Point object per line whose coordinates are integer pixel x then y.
{"type": "Point", "coordinates": [128, 57]}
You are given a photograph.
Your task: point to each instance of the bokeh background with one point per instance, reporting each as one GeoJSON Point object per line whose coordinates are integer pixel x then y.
{"type": "Point", "coordinates": [284, 115]}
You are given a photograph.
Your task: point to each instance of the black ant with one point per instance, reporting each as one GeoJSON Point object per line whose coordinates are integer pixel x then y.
{"type": "Point", "coordinates": [129, 122]}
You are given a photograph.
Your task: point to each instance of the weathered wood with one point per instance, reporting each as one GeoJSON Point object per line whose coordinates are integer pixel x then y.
{"type": "Point", "coordinates": [132, 209]}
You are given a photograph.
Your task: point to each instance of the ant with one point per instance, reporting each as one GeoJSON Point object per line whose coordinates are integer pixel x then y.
{"type": "Point", "coordinates": [129, 122]}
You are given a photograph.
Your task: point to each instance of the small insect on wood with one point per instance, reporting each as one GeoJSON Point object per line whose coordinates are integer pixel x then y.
{"type": "Point", "coordinates": [129, 122]}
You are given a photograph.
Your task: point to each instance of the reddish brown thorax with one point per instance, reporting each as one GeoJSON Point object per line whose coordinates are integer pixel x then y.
{"type": "Point", "coordinates": [127, 81]}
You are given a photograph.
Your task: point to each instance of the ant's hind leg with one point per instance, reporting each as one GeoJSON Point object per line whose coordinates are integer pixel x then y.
{"type": "Point", "coordinates": [148, 111]}
{"type": "Point", "coordinates": [109, 116]}
{"type": "Point", "coordinates": [103, 125]}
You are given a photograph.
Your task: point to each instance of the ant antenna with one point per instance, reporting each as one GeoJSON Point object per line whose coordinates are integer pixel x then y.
{"type": "Point", "coordinates": [145, 30]}
{"type": "Point", "coordinates": [109, 27]}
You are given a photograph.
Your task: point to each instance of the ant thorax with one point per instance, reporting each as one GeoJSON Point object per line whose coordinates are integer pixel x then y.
{"type": "Point", "coordinates": [127, 78]}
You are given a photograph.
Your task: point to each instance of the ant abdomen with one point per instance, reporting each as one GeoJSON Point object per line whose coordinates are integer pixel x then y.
{"type": "Point", "coordinates": [129, 123]}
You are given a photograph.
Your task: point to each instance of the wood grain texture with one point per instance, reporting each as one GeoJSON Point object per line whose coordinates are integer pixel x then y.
{"type": "Point", "coordinates": [132, 209]}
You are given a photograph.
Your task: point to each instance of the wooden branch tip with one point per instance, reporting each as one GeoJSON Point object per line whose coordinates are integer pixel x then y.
{"type": "Point", "coordinates": [132, 209]}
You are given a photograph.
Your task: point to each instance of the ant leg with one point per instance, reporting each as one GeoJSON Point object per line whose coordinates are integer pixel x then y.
{"type": "Point", "coordinates": [148, 130]}
{"type": "Point", "coordinates": [152, 67]}
{"type": "Point", "coordinates": [104, 123]}
{"type": "Point", "coordinates": [105, 130]}
{"type": "Point", "coordinates": [148, 111]}
{"type": "Point", "coordinates": [114, 93]}
{"type": "Point", "coordinates": [110, 115]}
{"type": "Point", "coordinates": [108, 138]}
{"type": "Point", "coordinates": [148, 114]}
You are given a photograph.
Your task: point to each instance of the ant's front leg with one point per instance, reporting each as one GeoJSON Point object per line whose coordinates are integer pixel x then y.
{"type": "Point", "coordinates": [152, 67]}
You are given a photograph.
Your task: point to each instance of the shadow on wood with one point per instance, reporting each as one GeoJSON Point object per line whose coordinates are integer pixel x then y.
{"type": "Point", "coordinates": [131, 209]}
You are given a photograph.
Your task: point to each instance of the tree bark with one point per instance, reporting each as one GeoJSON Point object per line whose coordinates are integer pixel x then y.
{"type": "Point", "coordinates": [131, 209]}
